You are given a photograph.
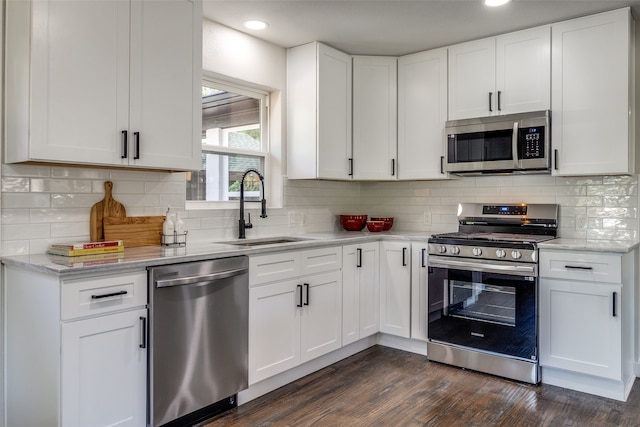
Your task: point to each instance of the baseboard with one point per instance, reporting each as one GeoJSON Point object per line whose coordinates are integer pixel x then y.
{"type": "Point", "coordinates": [612, 389]}
{"type": "Point", "coordinates": [400, 343]}
{"type": "Point", "coordinates": [268, 385]}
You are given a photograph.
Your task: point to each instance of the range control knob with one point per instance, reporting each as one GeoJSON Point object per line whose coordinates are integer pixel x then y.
{"type": "Point", "coordinates": [442, 249]}
{"type": "Point", "coordinates": [476, 251]}
{"type": "Point", "coordinates": [455, 250]}
{"type": "Point", "coordinates": [500, 253]}
{"type": "Point", "coordinates": [516, 254]}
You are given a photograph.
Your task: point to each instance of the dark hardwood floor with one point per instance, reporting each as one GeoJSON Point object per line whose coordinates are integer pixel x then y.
{"type": "Point", "coordinates": [382, 386]}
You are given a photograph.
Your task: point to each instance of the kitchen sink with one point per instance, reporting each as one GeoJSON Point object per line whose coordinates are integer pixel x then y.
{"type": "Point", "coordinates": [264, 242]}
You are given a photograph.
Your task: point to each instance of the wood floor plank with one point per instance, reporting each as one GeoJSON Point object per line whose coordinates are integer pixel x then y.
{"type": "Point", "coordinates": [382, 386]}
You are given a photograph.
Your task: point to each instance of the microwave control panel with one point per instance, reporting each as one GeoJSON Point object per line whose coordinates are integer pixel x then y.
{"type": "Point", "coordinates": [531, 142]}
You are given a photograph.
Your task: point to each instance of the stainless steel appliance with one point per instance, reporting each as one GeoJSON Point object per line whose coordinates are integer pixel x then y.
{"type": "Point", "coordinates": [512, 143]}
{"type": "Point", "coordinates": [198, 330]}
{"type": "Point", "coordinates": [483, 289]}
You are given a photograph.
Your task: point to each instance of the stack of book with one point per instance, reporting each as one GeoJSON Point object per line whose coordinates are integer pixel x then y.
{"type": "Point", "coordinates": [88, 248]}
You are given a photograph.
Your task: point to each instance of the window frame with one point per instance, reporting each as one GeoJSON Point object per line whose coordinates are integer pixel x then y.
{"type": "Point", "coordinates": [265, 153]}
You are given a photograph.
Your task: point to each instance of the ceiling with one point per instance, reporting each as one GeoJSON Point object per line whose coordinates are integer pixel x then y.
{"type": "Point", "coordinates": [395, 27]}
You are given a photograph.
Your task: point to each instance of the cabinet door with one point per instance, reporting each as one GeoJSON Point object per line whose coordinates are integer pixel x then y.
{"type": "Point", "coordinates": [369, 284]}
{"type": "Point", "coordinates": [274, 329]}
{"type": "Point", "coordinates": [374, 117]}
{"type": "Point", "coordinates": [360, 291]}
{"type": "Point", "coordinates": [395, 288]}
{"type": "Point", "coordinates": [591, 95]}
{"type": "Point", "coordinates": [580, 327]}
{"type": "Point", "coordinates": [321, 320]}
{"type": "Point", "coordinates": [319, 94]}
{"type": "Point", "coordinates": [422, 113]}
{"type": "Point", "coordinates": [104, 371]}
{"type": "Point", "coordinates": [334, 113]}
{"type": "Point", "coordinates": [523, 71]}
{"type": "Point", "coordinates": [166, 106]}
{"type": "Point", "coordinates": [472, 73]}
{"type": "Point", "coordinates": [79, 94]}
{"type": "Point", "coordinates": [419, 281]}
{"type": "Point", "coordinates": [351, 256]}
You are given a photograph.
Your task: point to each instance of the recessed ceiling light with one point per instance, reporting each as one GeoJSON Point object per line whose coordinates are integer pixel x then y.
{"type": "Point", "coordinates": [255, 25]}
{"type": "Point", "coordinates": [493, 3]}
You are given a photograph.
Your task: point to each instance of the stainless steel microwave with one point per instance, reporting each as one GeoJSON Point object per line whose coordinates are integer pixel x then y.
{"type": "Point", "coordinates": [512, 143]}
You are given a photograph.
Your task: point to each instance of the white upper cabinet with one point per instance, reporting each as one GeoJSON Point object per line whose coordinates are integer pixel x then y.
{"type": "Point", "coordinates": [104, 83]}
{"type": "Point", "coordinates": [318, 112]}
{"type": "Point", "coordinates": [422, 113]}
{"type": "Point", "coordinates": [375, 117]}
{"type": "Point", "coordinates": [500, 75]}
{"type": "Point", "coordinates": [592, 92]}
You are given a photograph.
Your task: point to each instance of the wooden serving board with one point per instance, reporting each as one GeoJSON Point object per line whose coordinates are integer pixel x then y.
{"type": "Point", "coordinates": [134, 230]}
{"type": "Point", "coordinates": [107, 207]}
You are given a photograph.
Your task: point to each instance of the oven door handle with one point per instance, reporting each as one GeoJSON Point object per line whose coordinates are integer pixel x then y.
{"type": "Point", "coordinates": [517, 269]}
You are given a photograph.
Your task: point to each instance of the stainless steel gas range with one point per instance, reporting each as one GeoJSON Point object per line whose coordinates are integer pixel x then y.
{"type": "Point", "coordinates": [483, 289]}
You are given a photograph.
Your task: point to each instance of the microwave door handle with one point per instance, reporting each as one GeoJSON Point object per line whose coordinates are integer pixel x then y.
{"type": "Point", "coordinates": [514, 146]}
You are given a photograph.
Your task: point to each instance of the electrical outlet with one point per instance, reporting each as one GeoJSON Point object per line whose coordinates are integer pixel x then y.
{"type": "Point", "coordinates": [292, 219]}
{"type": "Point", "coordinates": [426, 219]}
{"type": "Point", "coordinates": [581, 222]}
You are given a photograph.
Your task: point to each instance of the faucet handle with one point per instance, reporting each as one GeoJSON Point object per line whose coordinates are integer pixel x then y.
{"type": "Point", "coordinates": [248, 223]}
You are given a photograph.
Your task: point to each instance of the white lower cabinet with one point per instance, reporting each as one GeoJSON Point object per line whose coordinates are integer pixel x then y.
{"type": "Point", "coordinates": [104, 369]}
{"type": "Point", "coordinates": [297, 317]}
{"type": "Point", "coordinates": [586, 321]}
{"type": "Point", "coordinates": [360, 291]}
{"type": "Point", "coordinates": [76, 351]}
{"type": "Point", "coordinates": [395, 288]}
{"type": "Point", "coordinates": [419, 283]}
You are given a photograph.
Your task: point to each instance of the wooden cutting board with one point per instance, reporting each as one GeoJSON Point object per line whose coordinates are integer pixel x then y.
{"type": "Point", "coordinates": [134, 230]}
{"type": "Point", "coordinates": [107, 207]}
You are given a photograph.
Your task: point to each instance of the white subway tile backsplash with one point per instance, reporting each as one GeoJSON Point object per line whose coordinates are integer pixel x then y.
{"type": "Point", "coordinates": [44, 204]}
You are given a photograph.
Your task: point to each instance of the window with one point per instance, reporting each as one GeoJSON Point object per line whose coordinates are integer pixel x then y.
{"type": "Point", "coordinates": [233, 140]}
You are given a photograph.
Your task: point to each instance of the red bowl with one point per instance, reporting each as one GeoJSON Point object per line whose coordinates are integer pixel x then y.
{"type": "Point", "coordinates": [353, 222]}
{"type": "Point", "coordinates": [375, 225]}
{"type": "Point", "coordinates": [388, 221]}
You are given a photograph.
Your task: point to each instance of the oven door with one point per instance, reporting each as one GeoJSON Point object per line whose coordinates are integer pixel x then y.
{"type": "Point", "coordinates": [488, 306]}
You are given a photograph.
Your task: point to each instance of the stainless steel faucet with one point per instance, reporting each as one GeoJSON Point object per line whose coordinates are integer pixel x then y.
{"type": "Point", "coordinates": [242, 225]}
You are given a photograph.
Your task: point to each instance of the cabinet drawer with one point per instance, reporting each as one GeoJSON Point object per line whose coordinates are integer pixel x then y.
{"type": "Point", "coordinates": [272, 267]}
{"type": "Point", "coordinates": [320, 260]}
{"type": "Point", "coordinates": [585, 266]}
{"type": "Point", "coordinates": [103, 294]}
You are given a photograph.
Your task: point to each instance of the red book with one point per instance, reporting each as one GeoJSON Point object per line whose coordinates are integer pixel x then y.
{"type": "Point", "coordinates": [87, 245]}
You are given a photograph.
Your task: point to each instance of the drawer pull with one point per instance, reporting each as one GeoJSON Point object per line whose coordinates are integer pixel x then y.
{"type": "Point", "coordinates": [577, 267]}
{"type": "Point", "coordinates": [299, 288]}
{"type": "Point", "coordinates": [614, 312]}
{"type": "Point", "coordinates": [114, 294]}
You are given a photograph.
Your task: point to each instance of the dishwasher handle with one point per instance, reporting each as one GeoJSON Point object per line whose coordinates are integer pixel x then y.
{"type": "Point", "coordinates": [189, 280]}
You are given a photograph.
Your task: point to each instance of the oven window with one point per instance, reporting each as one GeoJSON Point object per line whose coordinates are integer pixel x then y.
{"type": "Point", "coordinates": [482, 302]}
{"type": "Point", "coordinates": [481, 146]}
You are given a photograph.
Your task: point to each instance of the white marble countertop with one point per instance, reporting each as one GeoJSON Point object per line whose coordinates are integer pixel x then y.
{"type": "Point", "coordinates": [149, 256]}
{"type": "Point", "coordinates": [589, 245]}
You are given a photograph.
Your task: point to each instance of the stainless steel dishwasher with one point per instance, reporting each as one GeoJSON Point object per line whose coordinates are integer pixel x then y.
{"type": "Point", "coordinates": [198, 339]}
